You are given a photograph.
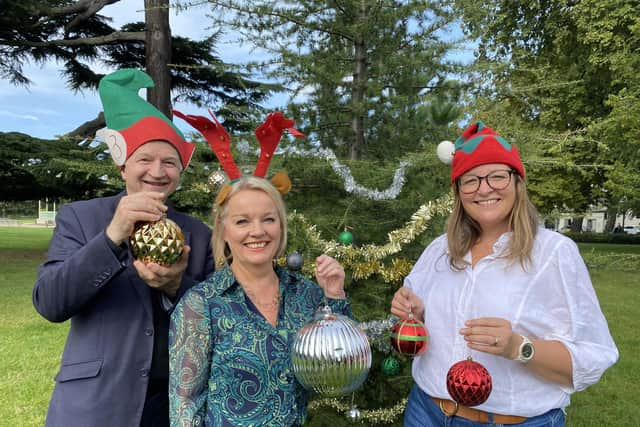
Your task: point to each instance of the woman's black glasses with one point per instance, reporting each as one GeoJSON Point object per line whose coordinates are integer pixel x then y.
{"type": "Point", "coordinates": [497, 180]}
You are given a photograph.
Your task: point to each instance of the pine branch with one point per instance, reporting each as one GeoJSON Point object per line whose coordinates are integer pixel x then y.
{"type": "Point", "coordinates": [83, 7]}
{"type": "Point", "coordinates": [87, 129]}
{"type": "Point", "coordinates": [287, 17]}
{"type": "Point", "coordinates": [117, 36]}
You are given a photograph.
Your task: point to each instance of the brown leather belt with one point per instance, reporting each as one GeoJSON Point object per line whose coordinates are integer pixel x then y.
{"type": "Point", "coordinates": [450, 409]}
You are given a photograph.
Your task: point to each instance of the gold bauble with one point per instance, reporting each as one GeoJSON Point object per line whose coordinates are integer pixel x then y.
{"type": "Point", "coordinates": [160, 242]}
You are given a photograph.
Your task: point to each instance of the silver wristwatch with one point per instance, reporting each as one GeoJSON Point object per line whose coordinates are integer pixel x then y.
{"type": "Point", "coordinates": [526, 350]}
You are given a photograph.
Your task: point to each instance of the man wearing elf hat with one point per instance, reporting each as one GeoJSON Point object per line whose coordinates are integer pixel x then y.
{"type": "Point", "coordinates": [501, 289]}
{"type": "Point", "coordinates": [114, 369]}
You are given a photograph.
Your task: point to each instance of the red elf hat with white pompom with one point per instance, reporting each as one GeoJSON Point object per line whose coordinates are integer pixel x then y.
{"type": "Point", "coordinates": [478, 145]}
{"type": "Point", "coordinates": [132, 121]}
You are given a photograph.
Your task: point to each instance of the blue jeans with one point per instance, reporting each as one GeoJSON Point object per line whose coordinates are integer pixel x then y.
{"type": "Point", "coordinates": [423, 412]}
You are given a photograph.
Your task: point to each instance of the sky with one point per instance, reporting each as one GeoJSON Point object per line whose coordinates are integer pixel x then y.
{"type": "Point", "coordinates": [47, 108]}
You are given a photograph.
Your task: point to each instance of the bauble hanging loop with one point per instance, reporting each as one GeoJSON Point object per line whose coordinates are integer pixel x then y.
{"type": "Point", "coordinates": [469, 383]}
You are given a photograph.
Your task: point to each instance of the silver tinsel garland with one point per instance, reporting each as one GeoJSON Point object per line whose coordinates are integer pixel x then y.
{"type": "Point", "coordinates": [350, 184]}
{"type": "Point", "coordinates": [378, 333]}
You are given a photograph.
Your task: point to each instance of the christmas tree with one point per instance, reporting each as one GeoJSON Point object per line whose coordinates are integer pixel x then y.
{"type": "Point", "coordinates": [339, 209]}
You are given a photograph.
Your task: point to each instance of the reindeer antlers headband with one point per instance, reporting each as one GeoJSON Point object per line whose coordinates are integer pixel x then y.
{"type": "Point", "coordinates": [268, 133]}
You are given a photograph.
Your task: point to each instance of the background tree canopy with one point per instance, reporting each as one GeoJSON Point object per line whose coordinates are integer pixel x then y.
{"type": "Point", "coordinates": [559, 78]}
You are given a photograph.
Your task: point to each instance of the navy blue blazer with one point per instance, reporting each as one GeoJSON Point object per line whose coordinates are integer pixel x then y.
{"type": "Point", "coordinates": [107, 357]}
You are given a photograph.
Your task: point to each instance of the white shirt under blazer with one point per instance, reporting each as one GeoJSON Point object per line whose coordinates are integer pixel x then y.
{"type": "Point", "coordinates": [552, 300]}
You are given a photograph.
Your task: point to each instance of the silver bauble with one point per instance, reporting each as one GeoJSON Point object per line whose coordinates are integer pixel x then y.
{"type": "Point", "coordinates": [353, 413]}
{"type": "Point", "coordinates": [331, 355]}
{"type": "Point", "coordinates": [295, 261]}
{"type": "Point", "coordinates": [216, 180]}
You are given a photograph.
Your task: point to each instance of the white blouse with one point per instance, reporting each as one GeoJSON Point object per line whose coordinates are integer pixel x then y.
{"type": "Point", "coordinates": [553, 300]}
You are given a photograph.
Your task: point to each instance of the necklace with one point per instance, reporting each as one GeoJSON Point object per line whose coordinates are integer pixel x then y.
{"type": "Point", "coordinates": [269, 305]}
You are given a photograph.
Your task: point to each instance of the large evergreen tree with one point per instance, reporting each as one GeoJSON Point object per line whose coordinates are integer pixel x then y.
{"type": "Point", "coordinates": [367, 71]}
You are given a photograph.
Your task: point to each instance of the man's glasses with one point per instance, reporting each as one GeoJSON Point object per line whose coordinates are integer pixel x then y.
{"type": "Point", "coordinates": [497, 180]}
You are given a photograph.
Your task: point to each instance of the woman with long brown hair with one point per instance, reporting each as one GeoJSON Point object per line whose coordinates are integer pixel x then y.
{"type": "Point", "coordinates": [499, 287]}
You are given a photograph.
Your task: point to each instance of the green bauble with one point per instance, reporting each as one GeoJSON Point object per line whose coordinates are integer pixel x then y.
{"type": "Point", "coordinates": [390, 366]}
{"type": "Point", "coordinates": [346, 238]}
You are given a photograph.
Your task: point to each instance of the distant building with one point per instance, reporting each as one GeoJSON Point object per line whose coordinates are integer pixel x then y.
{"type": "Point", "coordinates": [46, 216]}
{"type": "Point", "coordinates": [594, 221]}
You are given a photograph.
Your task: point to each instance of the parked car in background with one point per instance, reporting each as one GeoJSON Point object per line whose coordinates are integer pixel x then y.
{"type": "Point", "coordinates": [631, 229]}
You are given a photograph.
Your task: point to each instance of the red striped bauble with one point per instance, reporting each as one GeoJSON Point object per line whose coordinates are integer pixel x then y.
{"type": "Point", "coordinates": [410, 337]}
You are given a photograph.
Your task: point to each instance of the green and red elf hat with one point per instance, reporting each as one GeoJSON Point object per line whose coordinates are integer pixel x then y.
{"type": "Point", "coordinates": [132, 121]}
{"type": "Point", "coordinates": [478, 145]}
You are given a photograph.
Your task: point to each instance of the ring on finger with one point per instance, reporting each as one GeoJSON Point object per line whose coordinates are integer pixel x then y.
{"type": "Point", "coordinates": [496, 340]}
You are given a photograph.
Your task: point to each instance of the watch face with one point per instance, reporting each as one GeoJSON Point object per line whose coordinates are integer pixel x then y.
{"type": "Point", "coordinates": [527, 350]}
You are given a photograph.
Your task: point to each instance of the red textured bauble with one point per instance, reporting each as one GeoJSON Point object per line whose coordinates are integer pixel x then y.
{"type": "Point", "coordinates": [469, 383]}
{"type": "Point", "coordinates": [410, 337]}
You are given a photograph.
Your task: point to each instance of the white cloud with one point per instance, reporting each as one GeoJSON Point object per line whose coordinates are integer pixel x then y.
{"type": "Point", "coordinates": [12, 115]}
{"type": "Point", "coordinates": [304, 94]}
{"type": "Point", "coordinates": [48, 112]}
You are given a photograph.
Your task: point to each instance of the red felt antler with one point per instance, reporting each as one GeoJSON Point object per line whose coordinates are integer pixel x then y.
{"type": "Point", "coordinates": [269, 134]}
{"type": "Point", "coordinates": [218, 139]}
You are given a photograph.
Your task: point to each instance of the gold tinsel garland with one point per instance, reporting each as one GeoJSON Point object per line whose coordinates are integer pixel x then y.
{"type": "Point", "coordinates": [365, 261]}
{"type": "Point", "coordinates": [376, 416]}
{"type": "Point", "coordinates": [351, 256]}
{"type": "Point", "coordinates": [399, 268]}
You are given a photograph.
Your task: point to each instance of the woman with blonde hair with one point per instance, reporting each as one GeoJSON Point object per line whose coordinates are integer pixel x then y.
{"type": "Point", "coordinates": [231, 336]}
{"type": "Point", "coordinates": [499, 287]}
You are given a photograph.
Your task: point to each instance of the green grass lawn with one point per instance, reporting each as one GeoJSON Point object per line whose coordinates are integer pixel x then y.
{"type": "Point", "coordinates": [609, 248]}
{"type": "Point", "coordinates": [31, 347]}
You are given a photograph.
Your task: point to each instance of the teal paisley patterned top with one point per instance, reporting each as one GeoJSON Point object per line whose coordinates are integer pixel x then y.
{"type": "Point", "coordinates": [228, 365]}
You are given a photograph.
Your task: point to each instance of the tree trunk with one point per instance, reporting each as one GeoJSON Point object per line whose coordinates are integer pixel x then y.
{"type": "Point", "coordinates": [576, 224]}
{"type": "Point", "coordinates": [358, 92]}
{"type": "Point", "coordinates": [158, 53]}
{"type": "Point", "coordinates": [612, 213]}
